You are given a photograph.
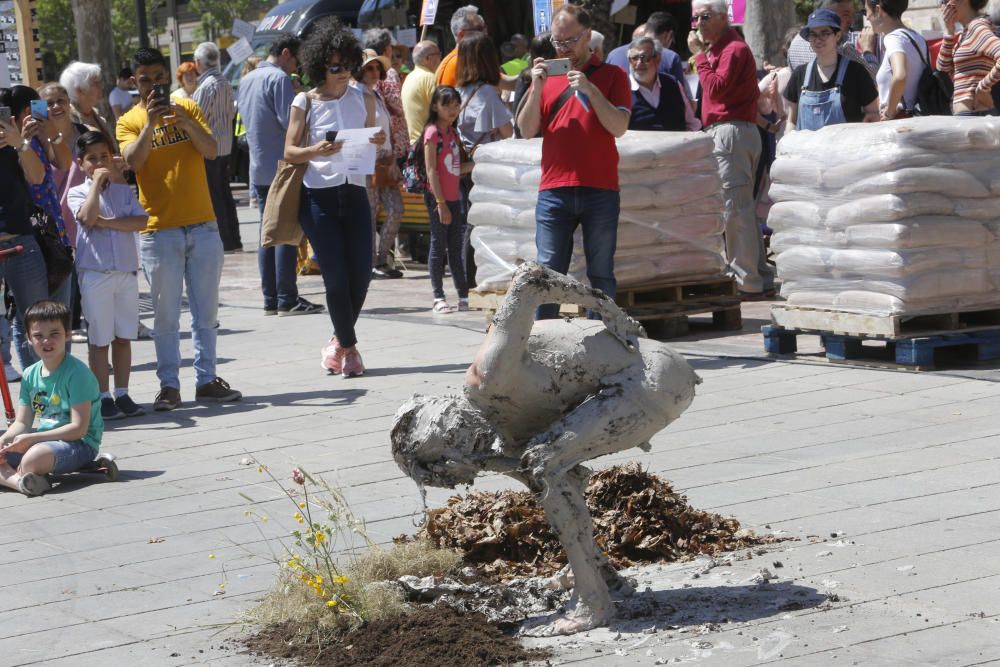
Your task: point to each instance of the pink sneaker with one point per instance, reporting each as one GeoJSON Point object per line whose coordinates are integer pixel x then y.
{"type": "Point", "coordinates": [333, 357]}
{"type": "Point", "coordinates": [353, 366]}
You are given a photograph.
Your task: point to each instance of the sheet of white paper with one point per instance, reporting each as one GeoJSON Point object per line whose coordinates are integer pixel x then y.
{"type": "Point", "coordinates": [357, 156]}
{"type": "Point", "coordinates": [407, 37]}
{"type": "Point", "coordinates": [242, 29]}
{"type": "Point", "coordinates": [240, 50]}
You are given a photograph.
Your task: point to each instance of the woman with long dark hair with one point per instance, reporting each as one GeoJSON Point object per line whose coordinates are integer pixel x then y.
{"type": "Point", "coordinates": [335, 215]}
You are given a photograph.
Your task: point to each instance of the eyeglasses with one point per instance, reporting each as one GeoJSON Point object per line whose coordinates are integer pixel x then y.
{"type": "Point", "coordinates": [642, 58]}
{"type": "Point", "coordinates": [701, 18]}
{"type": "Point", "coordinates": [337, 68]}
{"type": "Point", "coordinates": [566, 44]}
{"type": "Point", "coordinates": [823, 34]}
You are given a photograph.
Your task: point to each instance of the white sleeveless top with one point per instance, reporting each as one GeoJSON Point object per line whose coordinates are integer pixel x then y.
{"type": "Point", "coordinates": [345, 113]}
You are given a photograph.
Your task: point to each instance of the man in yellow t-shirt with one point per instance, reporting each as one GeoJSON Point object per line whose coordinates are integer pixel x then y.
{"type": "Point", "coordinates": [418, 87]}
{"type": "Point", "coordinates": [166, 144]}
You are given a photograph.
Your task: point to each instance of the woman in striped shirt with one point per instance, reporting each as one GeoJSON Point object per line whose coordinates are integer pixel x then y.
{"type": "Point", "coordinates": [971, 58]}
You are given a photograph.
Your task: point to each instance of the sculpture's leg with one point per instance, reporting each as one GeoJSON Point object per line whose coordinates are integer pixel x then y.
{"type": "Point", "coordinates": [611, 421]}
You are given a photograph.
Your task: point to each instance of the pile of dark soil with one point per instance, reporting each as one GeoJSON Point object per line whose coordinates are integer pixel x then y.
{"type": "Point", "coordinates": [638, 518]}
{"type": "Point", "coordinates": [428, 637]}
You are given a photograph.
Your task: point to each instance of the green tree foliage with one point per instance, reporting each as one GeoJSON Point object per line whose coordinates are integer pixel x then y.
{"type": "Point", "coordinates": [58, 32]}
{"type": "Point", "coordinates": [217, 15]}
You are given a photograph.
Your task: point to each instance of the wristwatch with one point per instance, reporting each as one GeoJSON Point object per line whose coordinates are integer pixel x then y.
{"type": "Point", "coordinates": [25, 145]}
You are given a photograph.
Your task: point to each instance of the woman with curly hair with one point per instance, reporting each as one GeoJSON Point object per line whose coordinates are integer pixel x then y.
{"type": "Point", "coordinates": [335, 214]}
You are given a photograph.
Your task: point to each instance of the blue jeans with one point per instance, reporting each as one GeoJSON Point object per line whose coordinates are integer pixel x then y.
{"type": "Point", "coordinates": [171, 258]}
{"type": "Point", "coordinates": [450, 240]}
{"type": "Point", "coordinates": [26, 277]}
{"type": "Point", "coordinates": [277, 266]}
{"type": "Point", "coordinates": [557, 214]}
{"type": "Point", "coordinates": [70, 455]}
{"type": "Point", "coordinates": [337, 222]}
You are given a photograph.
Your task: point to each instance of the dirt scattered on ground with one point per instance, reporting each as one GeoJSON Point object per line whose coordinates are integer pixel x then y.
{"type": "Point", "coordinates": [427, 637]}
{"type": "Point", "coordinates": [638, 518]}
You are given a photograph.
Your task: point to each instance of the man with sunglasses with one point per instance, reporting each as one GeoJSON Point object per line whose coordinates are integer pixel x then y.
{"type": "Point", "coordinates": [659, 102]}
{"type": "Point", "coordinates": [728, 75]}
{"type": "Point", "coordinates": [578, 116]}
{"type": "Point", "coordinates": [661, 27]}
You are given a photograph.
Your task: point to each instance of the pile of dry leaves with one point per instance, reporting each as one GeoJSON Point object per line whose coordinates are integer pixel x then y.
{"type": "Point", "coordinates": [637, 518]}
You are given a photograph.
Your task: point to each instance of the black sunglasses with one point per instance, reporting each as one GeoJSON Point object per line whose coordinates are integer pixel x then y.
{"type": "Point", "coordinates": [337, 68]}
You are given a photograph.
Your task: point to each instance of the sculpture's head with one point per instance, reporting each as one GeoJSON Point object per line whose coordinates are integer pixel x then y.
{"type": "Point", "coordinates": [442, 440]}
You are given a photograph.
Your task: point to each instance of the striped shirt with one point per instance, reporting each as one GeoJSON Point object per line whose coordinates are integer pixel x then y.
{"type": "Point", "coordinates": [215, 97]}
{"type": "Point", "coordinates": [974, 61]}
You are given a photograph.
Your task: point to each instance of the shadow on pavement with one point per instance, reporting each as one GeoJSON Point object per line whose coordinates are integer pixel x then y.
{"type": "Point", "coordinates": [76, 480]}
{"type": "Point", "coordinates": [716, 363]}
{"type": "Point", "coordinates": [408, 370]}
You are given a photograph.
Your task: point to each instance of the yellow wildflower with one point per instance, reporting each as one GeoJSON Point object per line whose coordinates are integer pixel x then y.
{"type": "Point", "coordinates": [331, 603]}
{"type": "Point", "coordinates": [298, 517]}
{"type": "Point", "coordinates": [211, 555]}
{"type": "Point", "coordinates": [302, 505]}
{"type": "Point", "coordinates": [340, 580]}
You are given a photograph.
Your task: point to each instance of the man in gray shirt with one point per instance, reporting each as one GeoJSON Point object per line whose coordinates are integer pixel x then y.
{"type": "Point", "coordinates": [265, 97]}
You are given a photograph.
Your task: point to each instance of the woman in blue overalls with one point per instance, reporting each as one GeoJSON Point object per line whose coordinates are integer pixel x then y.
{"type": "Point", "coordinates": [832, 88]}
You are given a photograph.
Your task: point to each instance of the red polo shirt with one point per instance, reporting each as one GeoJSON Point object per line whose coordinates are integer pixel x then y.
{"type": "Point", "coordinates": [728, 75]}
{"type": "Point", "coordinates": [576, 149]}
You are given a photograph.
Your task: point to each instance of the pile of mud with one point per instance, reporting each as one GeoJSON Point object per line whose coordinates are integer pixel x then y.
{"type": "Point", "coordinates": [638, 518]}
{"type": "Point", "coordinates": [428, 637]}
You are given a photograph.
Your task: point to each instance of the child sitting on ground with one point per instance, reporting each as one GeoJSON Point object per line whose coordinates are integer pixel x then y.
{"type": "Point", "coordinates": [107, 265]}
{"type": "Point", "coordinates": [62, 393]}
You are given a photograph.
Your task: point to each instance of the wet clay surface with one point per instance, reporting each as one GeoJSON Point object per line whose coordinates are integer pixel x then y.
{"type": "Point", "coordinates": [429, 637]}
{"type": "Point", "coordinates": [638, 518]}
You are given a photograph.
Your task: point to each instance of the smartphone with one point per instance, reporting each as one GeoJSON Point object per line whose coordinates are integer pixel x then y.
{"type": "Point", "coordinates": [162, 91]}
{"type": "Point", "coordinates": [40, 109]}
{"type": "Point", "coordinates": [331, 136]}
{"type": "Point", "coordinates": [5, 115]}
{"type": "Point", "coordinates": [558, 66]}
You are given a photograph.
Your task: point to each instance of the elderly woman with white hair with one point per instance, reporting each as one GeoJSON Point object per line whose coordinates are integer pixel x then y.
{"type": "Point", "coordinates": [85, 87]}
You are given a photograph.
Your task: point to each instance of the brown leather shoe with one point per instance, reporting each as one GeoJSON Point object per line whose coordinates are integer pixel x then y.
{"type": "Point", "coordinates": [168, 399]}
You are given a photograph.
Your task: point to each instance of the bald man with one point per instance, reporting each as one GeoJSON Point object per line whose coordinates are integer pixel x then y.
{"type": "Point", "coordinates": [418, 88]}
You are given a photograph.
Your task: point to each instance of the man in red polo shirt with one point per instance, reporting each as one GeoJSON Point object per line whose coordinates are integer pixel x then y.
{"type": "Point", "coordinates": [578, 115]}
{"type": "Point", "coordinates": [728, 76]}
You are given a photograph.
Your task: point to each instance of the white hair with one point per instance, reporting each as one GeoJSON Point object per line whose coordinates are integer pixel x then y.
{"type": "Point", "coordinates": [207, 54]}
{"type": "Point", "coordinates": [596, 40]}
{"type": "Point", "coordinates": [646, 39]}
{"type": "Point", "coordinates": [717, 6]}
{"type": "Point", "coordinates": [77, 76]}
{"type": "Point", "coordinates": [463, 18]}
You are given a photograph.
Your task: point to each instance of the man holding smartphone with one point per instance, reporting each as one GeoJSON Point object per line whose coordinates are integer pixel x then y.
{"type": "Point", "coordinates": [578, 116]}
{"type": "Point", "coordinates": [181, 242]}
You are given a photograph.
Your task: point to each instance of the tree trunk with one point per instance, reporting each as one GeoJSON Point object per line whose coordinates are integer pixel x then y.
{"type": "Point", "coordinates": [767, 21]}
{"type": "Point", "coordinates": [94, 40]}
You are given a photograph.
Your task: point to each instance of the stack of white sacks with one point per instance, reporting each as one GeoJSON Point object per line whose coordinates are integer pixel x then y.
{"type": "Point", "coordinates": [671, 213]}
{"type": "Point", "coordinates": [895, 218]}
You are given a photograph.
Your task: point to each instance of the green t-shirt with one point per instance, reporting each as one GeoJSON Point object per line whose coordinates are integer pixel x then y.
{"type": "Point", "coordinates": [51, 397]}
{"type": "Point", "coordinates": [516, 66]}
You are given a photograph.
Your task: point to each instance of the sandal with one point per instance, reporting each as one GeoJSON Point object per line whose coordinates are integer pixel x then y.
{"type": "Point", "coordinates": [441, 307]}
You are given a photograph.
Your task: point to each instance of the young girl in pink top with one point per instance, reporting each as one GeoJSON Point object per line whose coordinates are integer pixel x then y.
{"type": "Point", "coordinates": [444, 197]}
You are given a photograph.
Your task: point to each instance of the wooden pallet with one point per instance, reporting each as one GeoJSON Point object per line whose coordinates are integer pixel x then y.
{"type": "Point", "coordinates": [911, 348]}
{"type": "Point", "coordinates": [827, 320]}
{"type": "Point", "coordinates": [663, 308]}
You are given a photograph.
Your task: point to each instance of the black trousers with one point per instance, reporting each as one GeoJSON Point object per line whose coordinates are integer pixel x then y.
{"type": "Point", "coordinates": [217, 171]}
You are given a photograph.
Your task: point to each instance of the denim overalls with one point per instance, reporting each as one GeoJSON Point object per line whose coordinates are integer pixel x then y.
{"type": "Point", "coordinates": [819, 108]}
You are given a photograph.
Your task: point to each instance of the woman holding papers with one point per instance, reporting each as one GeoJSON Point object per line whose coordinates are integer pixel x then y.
{"type": "Point", "coordinates": [335, 215]}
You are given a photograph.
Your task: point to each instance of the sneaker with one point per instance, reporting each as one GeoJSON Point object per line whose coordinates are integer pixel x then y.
{"type": "Point", "coordinates": [353, 366]}
{"type": "Point", "coordinates": [333, 357]}
{"type": "Point", "coordinates": [270, 310]}
{"type": "Point", "coordinates": [110, 411]}
{"type": "Point", "coordinates": [11, 373]}
{"type": "Point", "coordinates": [386, 272]}
{"type": "Point", "coordinates": [128, 407]}
{"type": "Point", "coordinates": [168, 399]}
{"type": "Point", "coordinates": [302, 307]}
{"type": "Point", "coordinates": [144, 332]}
{"type": "Point", "coordinates": [217, 391]}
{"type": "Point", "coordinates": [31, 484]}
{"type": "Point", "coordinates": [463, 305]}
{"type": "Point", "coordinates": [79, 336]}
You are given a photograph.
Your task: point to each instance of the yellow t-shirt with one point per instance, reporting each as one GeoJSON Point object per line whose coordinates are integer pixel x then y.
{"type": "Point", "coordinates": [173, 187]}
{"type": "Point", "coordinates": [418, 89]}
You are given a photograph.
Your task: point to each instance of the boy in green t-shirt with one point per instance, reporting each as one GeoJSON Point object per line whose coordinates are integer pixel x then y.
{"type": "Point", "coordinates": [62, 393]}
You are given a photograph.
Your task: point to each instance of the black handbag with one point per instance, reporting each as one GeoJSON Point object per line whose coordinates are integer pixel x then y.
{"type": "Point", "coordinates": [934, 90]}
{"type": "Point", "coordinates": [57, 255]}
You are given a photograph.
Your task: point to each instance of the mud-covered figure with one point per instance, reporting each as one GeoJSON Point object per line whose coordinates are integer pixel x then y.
{"type": "Point", "coordinates": [539, 400]}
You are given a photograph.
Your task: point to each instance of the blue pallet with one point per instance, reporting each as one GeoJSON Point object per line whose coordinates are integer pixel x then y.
{"type": "Point", "coordinates": [917, 351]}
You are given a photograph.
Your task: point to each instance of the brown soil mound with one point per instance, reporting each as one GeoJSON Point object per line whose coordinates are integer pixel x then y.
{"type": "Point", "coordinates": [428, 637]}
{"type": "Point", "coordinates": [638, 518]}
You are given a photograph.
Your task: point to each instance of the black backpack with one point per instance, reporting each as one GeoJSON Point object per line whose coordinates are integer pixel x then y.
{"type": "Point", "coordinates": [934, 90]}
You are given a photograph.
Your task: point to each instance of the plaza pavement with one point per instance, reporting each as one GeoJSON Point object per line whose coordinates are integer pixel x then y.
{"type": "Point", "coordinates": [887, 481]}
